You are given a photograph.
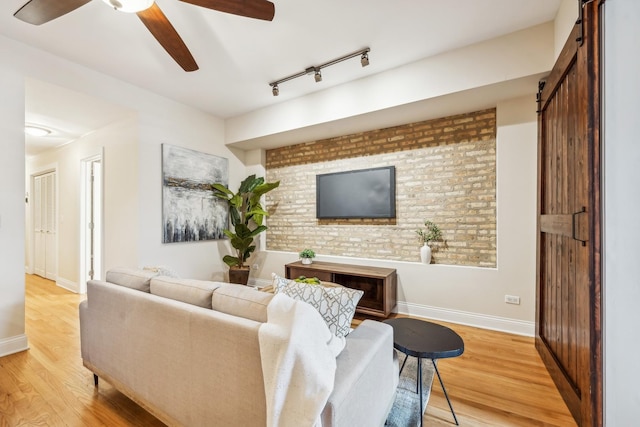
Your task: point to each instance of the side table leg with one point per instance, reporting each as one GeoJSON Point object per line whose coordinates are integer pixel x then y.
{"type": "Point", "coordinates": [445, 392]}
{"type": "Point", "coordinates": [402, 367]}
{"type": "Point", "coordinates": [420, 387]}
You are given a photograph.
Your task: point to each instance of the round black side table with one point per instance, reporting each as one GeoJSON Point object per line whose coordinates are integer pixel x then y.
{"type": "Point", "coordinates": [426, 340]}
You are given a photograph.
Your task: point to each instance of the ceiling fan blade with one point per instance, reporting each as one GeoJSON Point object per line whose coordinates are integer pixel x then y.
{"type": "Point", "coordinates": [38, 12]}
{"type": "Point", "coordinates": [158, 24]}
{"type": "Point", "coordinates": [259, 9]}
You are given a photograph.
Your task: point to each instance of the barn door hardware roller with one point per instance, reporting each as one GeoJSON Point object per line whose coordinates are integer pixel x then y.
{"type": "Point", "coordinates": [580, 21]}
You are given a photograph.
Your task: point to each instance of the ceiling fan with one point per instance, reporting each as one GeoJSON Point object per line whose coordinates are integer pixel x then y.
{"type": "Point", "coordinates": [38, 12]}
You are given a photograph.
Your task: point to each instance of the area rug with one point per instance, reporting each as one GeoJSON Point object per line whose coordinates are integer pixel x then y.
{"type": "Point", "coordinates": [405, 410]}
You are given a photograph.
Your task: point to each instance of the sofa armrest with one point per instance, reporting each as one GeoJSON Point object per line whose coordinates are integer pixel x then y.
{"type": "Point", "coordinates": [366, 378]}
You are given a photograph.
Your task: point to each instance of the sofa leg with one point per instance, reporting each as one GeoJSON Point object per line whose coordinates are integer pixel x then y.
{"type": "Point", "coordinates": [95, 380]}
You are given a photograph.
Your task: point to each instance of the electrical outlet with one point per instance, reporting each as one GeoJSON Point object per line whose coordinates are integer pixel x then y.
{"type": "Point", "coordinates": [511, 299]}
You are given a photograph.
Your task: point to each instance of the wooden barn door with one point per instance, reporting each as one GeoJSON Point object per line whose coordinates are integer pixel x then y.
{"type": "Point", "coordinates": [568, 326]}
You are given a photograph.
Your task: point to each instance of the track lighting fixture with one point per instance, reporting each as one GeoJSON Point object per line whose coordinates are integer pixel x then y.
{"type": "Point", "coordinates": [315, 70]}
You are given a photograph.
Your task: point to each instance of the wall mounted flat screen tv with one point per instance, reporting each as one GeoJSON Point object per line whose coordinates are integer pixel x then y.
{"type": "Point", "coordinates": [366, 193]}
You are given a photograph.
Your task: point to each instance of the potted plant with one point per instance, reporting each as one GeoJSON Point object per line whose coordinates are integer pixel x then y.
{"type": "Point", "coordinates": [246, 217]}
{"type": "Point", "coordinates": [307, 256]}
{"type": "Point", "coordinates": [431, 233]}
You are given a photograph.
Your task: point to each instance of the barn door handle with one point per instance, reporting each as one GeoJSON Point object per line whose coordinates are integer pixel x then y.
{"type": "Point", "coordinates": [573, 225]}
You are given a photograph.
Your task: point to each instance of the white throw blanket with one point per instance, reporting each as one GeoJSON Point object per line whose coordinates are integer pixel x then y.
{"type": "Point", "coordinates": [298, 355]}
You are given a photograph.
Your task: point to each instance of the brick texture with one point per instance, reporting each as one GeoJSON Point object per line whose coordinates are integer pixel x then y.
{"type": "Point", "coordinates": [445, 172]}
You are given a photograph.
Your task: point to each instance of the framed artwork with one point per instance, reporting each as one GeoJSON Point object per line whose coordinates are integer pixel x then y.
{"type": "Point", "coordinates": [190, 212]}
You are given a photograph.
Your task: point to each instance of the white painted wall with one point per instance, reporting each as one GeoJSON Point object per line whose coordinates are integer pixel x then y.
{"type": "Point", "coordinates": [198, 131]}
{"type": "Point", "coordinates": [621, 207]}
{"type": "Point", "coordinates": [120, 144]}
{"type": "Point", "coordinates": [520, 54]}
{"type": "Point", "coordinates": [159, 121]}
{"type": "Point", "coordinates": [12, 212]}
{"type": "Point", "coordinates": [133, 193]}
{"type": "Point", "coordinates": [137, 217]}
{"type": "Point", "coordinates": [473, 295]}
{"type": "Point", "coordinates": [563, 24]}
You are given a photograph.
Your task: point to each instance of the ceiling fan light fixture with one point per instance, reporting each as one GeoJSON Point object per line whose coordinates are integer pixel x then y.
{"type": "Point", "coordinates": [129, 6]}
{"type": "Point", "coordinates": [37, 12]}
{"type": "Point", "coordinates": [36, 130]}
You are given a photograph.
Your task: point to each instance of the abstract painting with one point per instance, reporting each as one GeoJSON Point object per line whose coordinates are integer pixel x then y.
{"type": "Point", "coordinates": [190, 212]}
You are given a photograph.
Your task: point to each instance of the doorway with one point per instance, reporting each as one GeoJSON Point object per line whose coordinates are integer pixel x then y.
{"type": "Point", "coordinates": [91, 221]}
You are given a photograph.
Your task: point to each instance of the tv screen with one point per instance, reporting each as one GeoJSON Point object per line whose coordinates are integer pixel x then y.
{"type": "Point", "coordinates": [366, 193]}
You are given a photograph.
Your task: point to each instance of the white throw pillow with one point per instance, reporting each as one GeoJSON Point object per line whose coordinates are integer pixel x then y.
{"type": "Point", "coordinates": [161, 270]}
{"type": "Point", "coordinates": [337, 305]}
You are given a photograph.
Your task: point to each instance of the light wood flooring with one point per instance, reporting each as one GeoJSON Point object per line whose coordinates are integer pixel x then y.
{"type": "Point", "coordinates": [498, 381]}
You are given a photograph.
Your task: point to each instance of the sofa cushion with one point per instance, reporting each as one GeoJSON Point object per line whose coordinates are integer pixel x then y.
{"type": "Point", "coordinates": [242, 301]}
{"type": "Point", "coordinates": [337, 304]}
{"type": "Point", "coordinates": [131, 278]}
{"type": "Point", "coordinates": [196, 292]}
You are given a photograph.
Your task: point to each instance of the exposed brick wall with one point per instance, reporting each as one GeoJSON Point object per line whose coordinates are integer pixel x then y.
{"type": "Point", "coordinates": [445, 172]}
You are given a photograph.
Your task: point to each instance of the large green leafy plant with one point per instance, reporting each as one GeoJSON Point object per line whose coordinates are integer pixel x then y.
{"type": "Point", "coordinates": [246, 215]}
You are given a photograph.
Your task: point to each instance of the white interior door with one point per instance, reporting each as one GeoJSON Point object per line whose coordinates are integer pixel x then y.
{"type": "Point", "coordinates": [38, 230]}
{"type": "Point", "coordinates": [45, 225]}
{"type": "Point", "coordinates": [97, 220]}
{"type": "Point", "coordinates": [92, 219]}
{"type": "Point", "coordinates": [51, 256]}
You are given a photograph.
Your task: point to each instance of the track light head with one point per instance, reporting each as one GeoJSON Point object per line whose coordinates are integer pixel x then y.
{"type": "Point", "coordinates": [318, 76]}
{"type": "Point", "coordinates": [364, 60]}
{"type": "Point", "coordinates": [275, 90]}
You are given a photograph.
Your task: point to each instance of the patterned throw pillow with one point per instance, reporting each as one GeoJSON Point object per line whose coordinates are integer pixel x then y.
{"type": "Point", "coordinates": [337, 305]}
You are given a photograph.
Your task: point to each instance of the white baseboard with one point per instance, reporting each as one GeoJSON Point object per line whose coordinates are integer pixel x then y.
{"type": "Point", "coordinates": [68, 285]}
{"type": "Point", "coordinates": [13, 345]}
{"type": "Point", "coordinates": [484, 321]}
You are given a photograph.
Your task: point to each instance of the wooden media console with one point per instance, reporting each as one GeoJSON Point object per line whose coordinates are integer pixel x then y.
{"type": "Point", "coordinates": [378, 284]}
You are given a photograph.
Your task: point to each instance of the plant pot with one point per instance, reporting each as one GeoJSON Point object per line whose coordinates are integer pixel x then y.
{"type": "Point", "coordinates": [306, 261]}
{"type": "Point", "coordinates": [425, 254]}
{"type": "Point", "coordinates": [239, 276]}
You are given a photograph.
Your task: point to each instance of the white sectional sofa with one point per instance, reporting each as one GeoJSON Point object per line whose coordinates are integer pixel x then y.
{"type": "Point", "coordinates": [188, 352]}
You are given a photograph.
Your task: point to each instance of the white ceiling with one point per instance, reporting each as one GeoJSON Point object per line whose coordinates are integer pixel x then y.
{"type": "Point", "coordinates": [238, 56]}
{"type": "Point", "coordinates": [66, 113]}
